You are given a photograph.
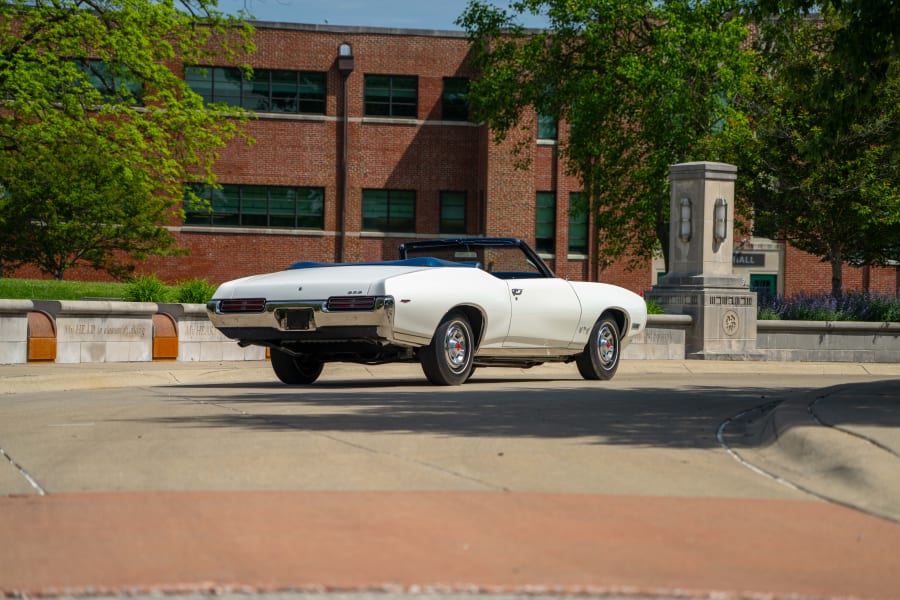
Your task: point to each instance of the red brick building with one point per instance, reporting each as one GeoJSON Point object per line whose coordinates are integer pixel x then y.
{"type": "Point", "coordinates": [416, 167]}
{"type": "Point", "coordinates": [355, 154]}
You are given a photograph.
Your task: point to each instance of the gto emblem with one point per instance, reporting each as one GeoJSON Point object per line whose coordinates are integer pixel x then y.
{"type": "Point", "coordinates": [353, 292]}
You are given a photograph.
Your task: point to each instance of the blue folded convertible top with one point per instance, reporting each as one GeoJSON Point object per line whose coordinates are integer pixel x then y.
{"type": "Point", "coordinates": [420, 261]}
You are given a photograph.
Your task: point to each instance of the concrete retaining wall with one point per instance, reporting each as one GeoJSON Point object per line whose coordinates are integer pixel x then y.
{"type": "Point", "coordinates": [198, 340]}
{"type": "Point", "coordinates": [663, 339]}
{"type": "Point", "coordinates": [112, 331]}
{"type": "Point", "coordinates": [101, 330]}
{"type": "Point", "coordinates": [14, 330]}
{"type": "Point", "coordinates": [826, 341]}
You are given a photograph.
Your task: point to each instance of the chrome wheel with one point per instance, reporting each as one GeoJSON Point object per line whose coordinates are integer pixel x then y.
{"type": "Point", "coordinates": [456, 347]}
{"type": "Point", "coordinates": [607, 345]}
{"type": "Point", "coordinates": [447, 360]}
{"type": "Point", "coordinates": [600, 358]}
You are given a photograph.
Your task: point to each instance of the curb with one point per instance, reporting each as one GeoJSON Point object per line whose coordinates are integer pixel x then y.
{"type": "Point", "coordinates": [789, 444]}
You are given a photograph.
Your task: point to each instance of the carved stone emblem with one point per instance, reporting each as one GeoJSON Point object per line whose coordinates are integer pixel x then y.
{"type": "Point", "coordinates": [730, 322]}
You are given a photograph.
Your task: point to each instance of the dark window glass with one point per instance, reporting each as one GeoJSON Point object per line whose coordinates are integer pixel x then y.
{"type": "Point", "coordinates": [116, 84]}
{"type": "Point", "coordinates": [283, 207]}
{"type": "Point", "coordinates": [455, 105]}
{"type": "Point", "coordinates": [391, 95]}
{"type": "Point", "coordinates": [284, 91]}
{"type": "Point", "coordinates": [265, 90]}
{"type": "Point", "coordinates": [254, 206]}
{"type": "Point", "coordinates": [199, 79]}
{"type": "Point", "coordinates": [312, 93]}
{"type": "Point", "coordinates": [257, 206]}
{"type": "Point", "coordinates": [547, 127]}
{"type": "Point", "coordinates": [256, 92]}
{"type": "Point", "coordinates": [310, 207]}
{"type": "Point", "coordinates": [226, 206]}
{"type": "Point", "coordinates": [227, 83]}
{"type": "Point", "coordinates": [545, 222]}
{"type": "Point", "coordinates": [389, 211]}
{"type": "Point", "coordinates": [453, 212]}
{"type": "Point", "coordinates": [578, 226]}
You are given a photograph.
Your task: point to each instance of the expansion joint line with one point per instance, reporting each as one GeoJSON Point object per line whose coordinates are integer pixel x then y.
{"type": "Point", "coordinates": [41, 491]}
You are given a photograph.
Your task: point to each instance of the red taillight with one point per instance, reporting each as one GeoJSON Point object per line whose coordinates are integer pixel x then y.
{"type": "Point", "coordinates": [241, 305]}
{"type": "Point", "coordinates": [336, 303]}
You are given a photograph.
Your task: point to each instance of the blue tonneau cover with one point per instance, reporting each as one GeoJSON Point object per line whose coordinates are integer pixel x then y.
{"type": "Point", "coordinates": [421, 261]}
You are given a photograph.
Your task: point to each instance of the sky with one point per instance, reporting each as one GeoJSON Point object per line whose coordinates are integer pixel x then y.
{"type": "Point", "coordinates": [402, 14]}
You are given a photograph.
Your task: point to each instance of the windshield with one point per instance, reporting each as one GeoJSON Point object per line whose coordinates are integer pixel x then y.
{"type": "Point", "coordinates": [503, 261]}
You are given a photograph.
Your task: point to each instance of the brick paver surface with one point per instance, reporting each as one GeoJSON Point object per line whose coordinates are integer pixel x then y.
{"type": "Point", "coordinates": [115, 543]}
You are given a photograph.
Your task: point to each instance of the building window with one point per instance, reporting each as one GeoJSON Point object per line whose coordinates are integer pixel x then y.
{"type": "Point", "coordinates": [113, 84]}
{"type": "Point", "coordinates": [545, 222]}
{"type": "Point", "coordinates": [578, 225]}
{"type": "Point", "coordinates": [257, 206]}
{"type": "Point", "coordinates": [266, 90]}
{"type": "Point", "coordinates": [454, 102]}
{"type": "Point", "coordinates": [548, 127]}
{"type": "Point", "coordinates": [453, 212]}
{"type": "Point", "coordinates": [392, 95]}
{"type": "Point", "coordinates": [389, 211]}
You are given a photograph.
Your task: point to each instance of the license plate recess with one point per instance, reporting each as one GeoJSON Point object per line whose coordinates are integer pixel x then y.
{"type": "Point", "coordinates": [296, 319]}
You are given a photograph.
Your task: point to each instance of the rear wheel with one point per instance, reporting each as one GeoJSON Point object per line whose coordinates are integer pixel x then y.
{"type": "Point", "coordinates": [448, 359]}
{"type": "Point", "coordinates": [600, 358]}
{"type": "Point", "coordinates": [296, 370]}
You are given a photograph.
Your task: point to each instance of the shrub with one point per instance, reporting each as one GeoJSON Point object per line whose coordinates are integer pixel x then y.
{"type": "Point", "coordinates": [194, 291]}
{"type": "Point", "coordinates": [653, 308]}
{"type": "Point", "coordinates": [147, 288]}
{"type": "Point", "coordinates": [853, 306]}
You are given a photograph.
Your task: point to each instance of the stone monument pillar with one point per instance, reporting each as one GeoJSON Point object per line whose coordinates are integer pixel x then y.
{"type": "Point", "coordinates": [700, 281]}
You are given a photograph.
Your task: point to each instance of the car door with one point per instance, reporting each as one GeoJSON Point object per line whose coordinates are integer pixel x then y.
{"type": "Point", "coordinates": [544, 313]}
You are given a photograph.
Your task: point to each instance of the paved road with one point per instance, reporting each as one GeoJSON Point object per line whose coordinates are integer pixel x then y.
{"type": "Point", "coordinates": [663, 482]}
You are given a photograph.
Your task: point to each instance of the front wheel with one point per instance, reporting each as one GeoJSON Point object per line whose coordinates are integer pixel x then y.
{"type": "Point", "coordinates": [448, 359]}
{"type": "Point", "coordinates": [295, 370]}
{"type": "Point", "coordinates": [600, 358]}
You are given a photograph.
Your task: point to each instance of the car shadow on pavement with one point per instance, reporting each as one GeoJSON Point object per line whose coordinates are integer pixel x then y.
{"type": "Point", "coordinates": [662, 417]}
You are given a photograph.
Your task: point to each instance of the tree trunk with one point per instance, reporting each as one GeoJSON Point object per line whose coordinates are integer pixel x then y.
{"type": "Point", "coordinates": [662, 234]}
{"type": "Point", "coordinates": [837, 266]}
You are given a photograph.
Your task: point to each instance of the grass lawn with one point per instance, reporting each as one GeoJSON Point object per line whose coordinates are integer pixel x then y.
{"type": "Point", "coordinates": [50, 289]}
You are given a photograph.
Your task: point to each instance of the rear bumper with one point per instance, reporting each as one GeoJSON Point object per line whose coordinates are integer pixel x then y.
{"type": "Point", "coordinates": [300, 319]}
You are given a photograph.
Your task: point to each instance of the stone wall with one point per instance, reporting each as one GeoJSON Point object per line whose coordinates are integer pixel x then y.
{"type": "Point", "coordinates": [663, 339]}
{"type": "Point", "coordinates": [825, 341]}
{"type": "Point", "coordinates": [108, 331]}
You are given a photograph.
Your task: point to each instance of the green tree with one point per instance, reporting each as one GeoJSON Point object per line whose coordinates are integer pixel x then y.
{"type": "Point", "coordinates": [829, 187]}
{"type": "Point", "coordinates": [642, 84]}
{"type": "Point", "coordinates": [861, 50]}
{"type": "Point", "coordinates": [57, 217]}
{"type": "Point", "coordinates": [98, 131]}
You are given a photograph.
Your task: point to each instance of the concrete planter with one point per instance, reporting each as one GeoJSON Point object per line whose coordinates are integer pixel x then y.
{"type": "Point", "coordinates": [829, 341]}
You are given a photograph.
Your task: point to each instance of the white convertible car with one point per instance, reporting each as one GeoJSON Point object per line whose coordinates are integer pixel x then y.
{"type": "Point", "coordinates": [451, 305]}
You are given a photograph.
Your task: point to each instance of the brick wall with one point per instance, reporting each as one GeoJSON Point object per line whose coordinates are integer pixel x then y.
{"type": "Point", "coordinates": [806, 273]}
